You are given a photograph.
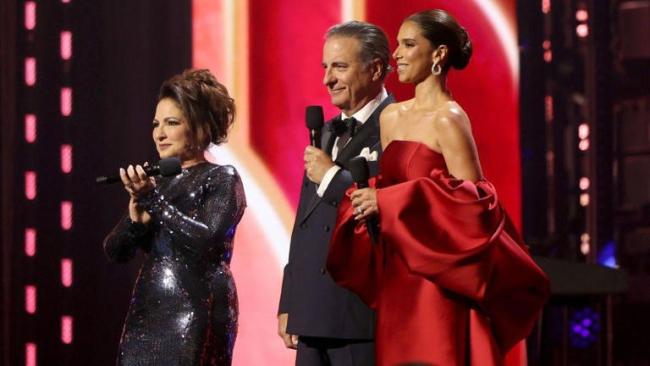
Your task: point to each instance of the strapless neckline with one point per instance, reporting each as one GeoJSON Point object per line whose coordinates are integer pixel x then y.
{"type": "Point", "coordinates": [398, 142]}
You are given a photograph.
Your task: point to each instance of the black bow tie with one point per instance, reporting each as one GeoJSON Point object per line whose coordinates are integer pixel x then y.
{"type": "Point", "coordinates": [339, 126]}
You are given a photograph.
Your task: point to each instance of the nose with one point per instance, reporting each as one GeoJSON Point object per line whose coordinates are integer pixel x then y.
{"type": "Point", "coordinates": [328, 78]}
{"type": "Point", "coordinates": [396, 53]}
{"type": "Point", "coordinates": [159, 133]}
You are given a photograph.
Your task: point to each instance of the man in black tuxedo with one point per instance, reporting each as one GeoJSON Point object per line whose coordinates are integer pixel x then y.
{"type": "Point", "coordinates": [327, 324]}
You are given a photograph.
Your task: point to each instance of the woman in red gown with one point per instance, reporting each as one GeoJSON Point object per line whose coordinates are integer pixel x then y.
{"type": "Point", "coordinates": [450, 278]}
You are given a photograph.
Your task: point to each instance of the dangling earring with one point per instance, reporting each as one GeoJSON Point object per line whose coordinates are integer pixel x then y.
{"type": "Point", "coordinates": [436, 69]}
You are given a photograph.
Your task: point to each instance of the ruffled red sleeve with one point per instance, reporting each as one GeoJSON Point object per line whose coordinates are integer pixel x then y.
{"type": "Point", "coordinates": [354, 262]}
{"type": "Point", "coordinates": [455, 234]}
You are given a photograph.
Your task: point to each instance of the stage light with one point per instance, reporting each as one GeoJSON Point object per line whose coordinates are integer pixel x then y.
{"type": "Point", "coordinates": [584, 199]}
{"type": "Point", "coordinates": [548, 53]}
{"type": "Point", "coordinates": [30, 354]}
{"type": "Point", "coordinates": [66, 101]}
{"type": "Point", "coordinates": [66, 45]}
{"type": "Point", "coordinates": [584, 328]}
{"type": "Point", "coordinates": [582, 15]}
{"type": "Point", "coordinates": [584, 183]}
{"type": "Point", "coordinates": [548, 108]}
{"type": "Point", "coordinates": [66, 272]}
{"type": "Point", "coordinates": [582, 30]}
{"type": "Point", "coordinates": [607, 255]}
{"type": "Point", "coordinates": [30, 299]}
{"type": "Point", "coordinates": [66, 158]}
{"type": "Point", "coordinates": [30, 185]}
{"type": "Point", "coordinates": [30, 71]}
{"type": "Point", "coordinates": [30, 242]}
{"type": "Point", "coordinates": [30, 128]}
{"type": "Point", "coordinates": [66, 215]}
{"type": "Point", "coordinates": [546, 6]}
{"type": "Point", "coordinates": [30, 15]}
{"type": "Point", "coordinates": [583, 131]}
{"type": "Point", "coordinates": [583, 145]}
{"type": "Point", "coordinates": [66, 329]}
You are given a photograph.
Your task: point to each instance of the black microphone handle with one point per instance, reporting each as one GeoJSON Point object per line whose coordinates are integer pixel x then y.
{"type": "Point", "coordinates": [314, 138]}
{"type": "Point", "coordinates": [371, 221]}
{"type": "Point", "coordinates": [151, 170]}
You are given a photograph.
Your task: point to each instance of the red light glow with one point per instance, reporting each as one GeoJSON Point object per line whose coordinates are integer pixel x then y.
{"type": "Point", "coordinates": [66, 101]}
{"type": "Point", "coordinates": [30, 299]}
{"type": "Point", "coordinates": [30, 15]}
{"type": "Point", "coordinates": [30, 242]}
{"type": "Point", "coordinates": [66, 45]}
{"type": "Point", "coordinates": [66, 329]}
{"type": "Point", "coordinates": [30, 354]}
{"type": "Point", "coordinates": [66, 215]}
{"type": "Point", "coordinates": [66, 158]}
{"type": "Point", "coordinates": [30, 71]}
{"type": "Point", "coordinates": [66, 272]}
{"type": "Point", "coordinates": [30, 185]}
{"type": "Point", "coordinates": [30, 128]}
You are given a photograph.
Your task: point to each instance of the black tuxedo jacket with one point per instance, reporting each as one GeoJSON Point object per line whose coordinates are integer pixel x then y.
{"type": "Point", "coordinates": [317, 306]}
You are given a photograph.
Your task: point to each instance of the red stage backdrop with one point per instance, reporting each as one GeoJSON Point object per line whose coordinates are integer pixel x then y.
{"type": "Point", "coordinates": [268, 53]}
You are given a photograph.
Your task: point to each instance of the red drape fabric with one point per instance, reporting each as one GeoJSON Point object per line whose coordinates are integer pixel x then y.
{"type": "Point", "coordinates": [451, 280]}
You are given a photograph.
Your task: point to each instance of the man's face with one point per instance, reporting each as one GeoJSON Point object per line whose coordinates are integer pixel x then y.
{"type": "Point", "coordinates": [347, 78]}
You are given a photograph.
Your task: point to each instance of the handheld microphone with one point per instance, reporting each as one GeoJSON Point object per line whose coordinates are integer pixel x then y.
{"type": "Point", "coordinates": [360, 174]}
{"type": "Point", "coordinates": [315, 121]}
{"type": "Point", "coordinates": [166, 167]}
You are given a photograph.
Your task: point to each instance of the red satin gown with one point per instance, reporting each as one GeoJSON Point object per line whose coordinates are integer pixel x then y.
{"type": "Point", "coordinates": [451, 280]}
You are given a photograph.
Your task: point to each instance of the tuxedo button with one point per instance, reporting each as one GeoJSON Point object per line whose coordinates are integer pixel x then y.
{"type": "Point", "coordinates": [327, 228]}
{"type": "Point", "coordinates": [323, 271]}
{"type": "Point", "coordinates": [334, 203]}
{"type": "Point", "coordinates": [303, 225]}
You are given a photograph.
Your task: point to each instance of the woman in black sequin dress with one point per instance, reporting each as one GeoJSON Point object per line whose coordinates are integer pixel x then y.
{"type": "Point", "coordinates": [184, 305]}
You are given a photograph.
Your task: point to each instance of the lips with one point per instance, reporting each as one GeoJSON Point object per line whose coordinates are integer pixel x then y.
{"type": "Point", "coordinates": [163, 146]}
{"type": "Point", "coordinates": [336, 91]}
{"type": "Point", "coordinates": [401, 67]}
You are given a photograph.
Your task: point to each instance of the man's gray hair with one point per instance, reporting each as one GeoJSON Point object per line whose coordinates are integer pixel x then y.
{"type": "Point", "coordinates": [373, 41]}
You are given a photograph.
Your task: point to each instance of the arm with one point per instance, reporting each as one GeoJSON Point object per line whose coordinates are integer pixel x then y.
{"type": "Point", "coordinates": [222, 207]}
{"type": "Point", "coordinates": [290, 340]}
{"type": "Point", "coordinates": [457, 145]}
{"type": "Point", "coordinates": [122, 242]}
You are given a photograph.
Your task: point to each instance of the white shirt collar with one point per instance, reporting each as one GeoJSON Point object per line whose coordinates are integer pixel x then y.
{"type": "Point", "coordinates": [364, 113]}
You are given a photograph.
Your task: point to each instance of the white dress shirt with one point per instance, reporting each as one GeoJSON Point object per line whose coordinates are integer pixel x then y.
{"type": "Point", "coordinates": [362, 116]}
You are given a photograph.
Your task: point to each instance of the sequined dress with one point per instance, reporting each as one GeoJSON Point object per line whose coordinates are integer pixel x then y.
{"type": "Point", "coordinates": [184, 305]}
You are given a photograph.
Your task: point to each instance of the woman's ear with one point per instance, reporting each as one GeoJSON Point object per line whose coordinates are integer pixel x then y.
{"type": "Point", "coordinates": [440, 54]}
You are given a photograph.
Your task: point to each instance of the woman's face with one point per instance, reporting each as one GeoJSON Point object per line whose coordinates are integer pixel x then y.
{"type": "Point", "coordinates": [413, 55]}
{"type": "Point", "coordinates": [171, 131]}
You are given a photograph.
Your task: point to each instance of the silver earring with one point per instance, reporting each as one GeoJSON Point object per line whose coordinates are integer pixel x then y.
{"type": "Point", "coordinates": [436, 69]}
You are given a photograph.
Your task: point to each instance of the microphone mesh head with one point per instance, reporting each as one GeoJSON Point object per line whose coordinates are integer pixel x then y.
{"type": "Point", "coordinates": [170, 167]}
{"type": "Point", "coordinates": [359, 169]}
{"type": "Point", "coordinates": [314, 117]}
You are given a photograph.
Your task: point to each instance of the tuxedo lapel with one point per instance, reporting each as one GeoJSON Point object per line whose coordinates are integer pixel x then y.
{"type": "Point", "coordinates": [368, 132]}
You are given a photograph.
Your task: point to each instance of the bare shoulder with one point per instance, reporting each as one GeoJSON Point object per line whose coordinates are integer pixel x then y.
{"type": "Point", "coordinates": [452, 117]}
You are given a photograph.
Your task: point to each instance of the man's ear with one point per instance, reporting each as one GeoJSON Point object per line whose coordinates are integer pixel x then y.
{"type": "Point", "coordinates": [376, 69]}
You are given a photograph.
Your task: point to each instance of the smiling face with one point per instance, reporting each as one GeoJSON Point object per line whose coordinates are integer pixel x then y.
{"type": "Point", "coordinates": [350, 82]}
{"type": "Point", "coordinates": [171, 131]}
{"type": "Point", "coordinates": [414, 54]}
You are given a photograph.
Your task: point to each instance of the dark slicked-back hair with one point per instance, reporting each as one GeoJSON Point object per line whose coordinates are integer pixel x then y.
{"type": "Point", "coordinates": [373, 41]}
{"type": "Point", "coordinates": [205, 102]}
{"type": "Point", "coordinates": [439, 27]}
